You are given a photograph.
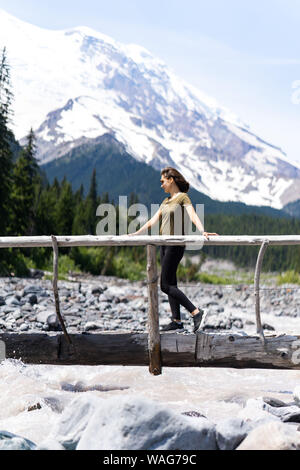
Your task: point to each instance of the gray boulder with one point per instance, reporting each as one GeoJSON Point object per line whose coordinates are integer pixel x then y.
{"type": "Point", "coordinates": [90, 326]}
{"type": "Point", "coordinates": [287, 414]}
{"type": "Point", "coordinates": [296, 395]}
{"type": "Point", "coordinates": [257, 411]}
{"type": "Point", "coordinates": [36, 273]}
{"type": "Point", "coordinates": [43, 316]}
{"type": "Point", "coordinates": [50, 444]}
{"type": "Point", "coordinates": [24, 327]}
{"type": "Point", "coordinates": [32, 299]}
{"type": "Point", "coordinates": [222, 322]}
{"type": "Point", "coordinates": [49, 318]}
{"type": "Point", "coordinates": [274, 402]}
{"type": "Point", "coordinates": [54, 323]}
{"type": "Point", "coordinates": [136, 423]}
{"type": "Point", "coordinates": [97, 290]}
{"type": "Point", "coordinates": [231, 432]}
{"type": "Point", "coordinates": [272, 436]}
{"type": "Point", "coordinates": [13, 301]}
{"type": "Point", "coordinates": [33, 289]}
{"type": "Point", "coordinates": [9, 441]}
{"type": "Point", "coordinates": [74, 420]}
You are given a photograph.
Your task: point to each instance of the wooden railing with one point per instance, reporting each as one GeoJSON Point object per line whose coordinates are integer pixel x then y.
{"type": "Point", "coordinates": [154, 345]}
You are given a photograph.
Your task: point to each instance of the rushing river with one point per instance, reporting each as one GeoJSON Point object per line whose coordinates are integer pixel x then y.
{"type": "Point", "coordinates": [216, 393]}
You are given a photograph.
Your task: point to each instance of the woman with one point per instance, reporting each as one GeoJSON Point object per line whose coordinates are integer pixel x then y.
{"type": "Point", "coordinates": [173, 206]}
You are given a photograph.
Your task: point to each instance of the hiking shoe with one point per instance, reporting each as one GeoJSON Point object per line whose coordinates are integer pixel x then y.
{"type": "Point", "coordinates": [174, 325]}
{"type": "Point", "coordinates": [198, 319]}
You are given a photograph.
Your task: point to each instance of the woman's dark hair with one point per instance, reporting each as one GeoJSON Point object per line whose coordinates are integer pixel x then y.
{"type": "Point", "coordinates": [181, 182]}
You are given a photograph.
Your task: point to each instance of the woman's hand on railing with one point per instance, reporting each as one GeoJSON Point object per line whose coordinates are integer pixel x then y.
{"type": "Point", "coordinates": [210, 234]}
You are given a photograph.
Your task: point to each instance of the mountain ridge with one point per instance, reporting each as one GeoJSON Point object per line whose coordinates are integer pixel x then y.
{"type": "Point", "coordinates": [102, 86]}
{"type": "Point", "coordinates": [119, 174]}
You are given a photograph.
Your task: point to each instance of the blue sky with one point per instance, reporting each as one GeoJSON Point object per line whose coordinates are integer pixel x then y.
{"type": "Point", "coordinates": [245, 54]}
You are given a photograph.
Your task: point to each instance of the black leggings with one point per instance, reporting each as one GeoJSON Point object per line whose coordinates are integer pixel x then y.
{"type": "Point", "coordinates": [170, 257]}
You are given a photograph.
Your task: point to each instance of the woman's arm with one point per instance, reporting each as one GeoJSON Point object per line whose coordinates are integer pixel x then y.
{"type": "Point", "coordinates": [195, 219]}
{"type": "Point", "coordinates": [148, 224]}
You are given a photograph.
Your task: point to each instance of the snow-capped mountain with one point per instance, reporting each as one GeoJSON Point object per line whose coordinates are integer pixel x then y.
{"type": "Point", "coordinates": [78, 84]}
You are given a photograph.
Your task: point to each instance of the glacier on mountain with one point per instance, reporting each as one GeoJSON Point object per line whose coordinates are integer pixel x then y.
{"type": "Point", "coordinates": [78, 84]}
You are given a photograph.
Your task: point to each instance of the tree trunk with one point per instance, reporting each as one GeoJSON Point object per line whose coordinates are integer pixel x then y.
{"type": "Point", "coordinates": [177, 350]}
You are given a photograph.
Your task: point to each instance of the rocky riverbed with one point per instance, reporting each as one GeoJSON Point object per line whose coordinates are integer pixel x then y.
{"type": "Point", "coordinates": [189, 408]}
{"type": "Point", "coordinates": [91, 304]}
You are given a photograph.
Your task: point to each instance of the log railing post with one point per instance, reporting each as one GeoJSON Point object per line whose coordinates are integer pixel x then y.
{"type": "Point", "coordinates": [261, 253]}
{"type": "Point", "coordinates": [55, 289]}
{"type": "Point", "coordinates": [153, 319]}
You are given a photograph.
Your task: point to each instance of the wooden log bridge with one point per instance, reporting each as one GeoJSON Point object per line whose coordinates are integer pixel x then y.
{"type": "Point", "coordinates": [153, 349]}
{"type": "Point", "coordinates": [176, 349]}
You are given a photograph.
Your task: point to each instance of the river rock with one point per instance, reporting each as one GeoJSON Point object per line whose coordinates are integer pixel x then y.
{"type": "Point", "coordinates": [136, 423]}
{"type": "Point", "coordinates": [9, 441]}
{"type": "Point", "coordinates": [24, 327]}
{"type": "Point", "coordinates": [49, 319]}
{"type": "Point", "coordinates": [231, 432]}
{"type": "Point", "coordinates": [272, 436]}
{"type": "Point", "coordinates": [90, 326]}
{"type": "Point", "coordinates": [33, 289]}
{"type": "Point", "coordinates": [296, 395]}
{"type": "Point", "coordinates": [36, 273]}
{"type": "Point", "coordinates": [50, 444]}
{"type": "Point", "coordinates": [13, 301]}
{"type": "Point", "coordinates": [43, 316]}
{"type": "Point", "coordinates": [97, 290]}
{"type": "Point", "coordinates": [193, 414]}
{"type": "Point", "coordinates": [54, 323]}
{"type": "Point", "coordinates": [74, 420]}
{"type": "Point", "coordinates": [16, 314]}
{"type": "Point", "coordinates": [274, 402]}
{"type": "Point", "coordinates": [266, 326]}
{"type": "Point", "coordinates": [287, 414]}
{"type": "Point", "coordinates": [32, 299]}
{"type": "Point", "coordinates": [222, 322]}
{"type": "Point", "coordinates": [257, 411]}
{"type": "Point", "coordinates": [8, 309]}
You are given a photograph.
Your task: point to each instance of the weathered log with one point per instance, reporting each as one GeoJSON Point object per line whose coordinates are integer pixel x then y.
{"type": "Point", "coordinates": [142, 240]}
{"type": "Point", "coordinates": [177, 349]}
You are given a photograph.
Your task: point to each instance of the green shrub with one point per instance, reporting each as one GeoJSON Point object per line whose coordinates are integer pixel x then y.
{"type": "Point", "coordinates": [89, 259]}
{"type": "Point", "coordinates": [125, 267]}
{"type": "Point", "coordinates": [214, 279]}
{"type": "Point", "coordinates": [288, 277]}
{"type": "Point", "coordinates": [13, 262]}
{"type": "Point", "coordinates": [65, 264]}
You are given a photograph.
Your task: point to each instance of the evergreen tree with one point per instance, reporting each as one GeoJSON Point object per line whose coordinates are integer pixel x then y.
{"type": "Point", "coordinates": [78, 198]}
{"type": "Point", "coordinates": [91, 204]}
{"type": "Point", "coordinates": [45, 220]}
{"type": "Point", "coordinates": [5, 139]}
{"type": "Point", "coordinates": [93, 190]}
{"type": "Point", "coordinates": [65, 209]}
{"type": "Point", "coordinates": [105, 198]}
{"type": "Point", "coordinates": [25, 190]}
{"type": "Point", "coordinates": [133, 199]}
{"type": "Point", "coordinates": [56, 187]}
{"type": "Point", "coordinates": [80, 222]}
